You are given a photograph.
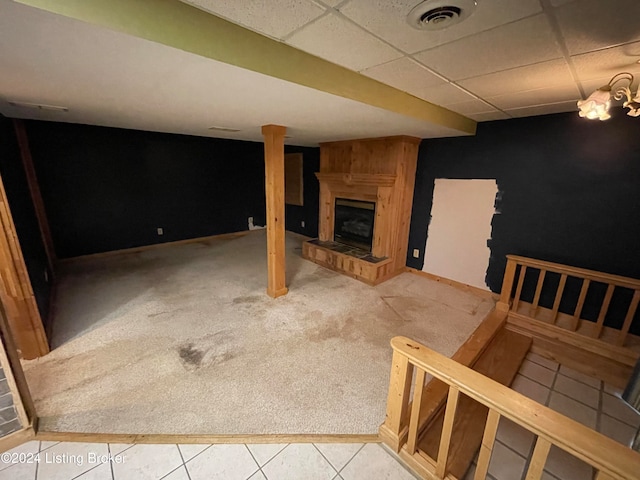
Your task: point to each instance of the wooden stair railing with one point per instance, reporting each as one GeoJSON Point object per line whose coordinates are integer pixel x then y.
{"type": "Point", "coordinates": [601, 346]}
{"type": "Point", "coordinates": [597, 330]}
{"type": "Point", "coordinates": [610, 459]}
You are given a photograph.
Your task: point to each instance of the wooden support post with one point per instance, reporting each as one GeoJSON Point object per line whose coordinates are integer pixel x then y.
{"type": "Point", "coordinates": [629, 318]}
{"type": "Point", "coordinates": [536, 298]}
{"type": "Point", "coordinates": [575, 322]}
{"type": "Point", "coordinates": [447, 430]}
{"type": "Point", "coordinates": [538, 459]}
{"type": "Point", "coordinates": [558, 299]}
{"type": "Point", "coordinates": [507, 286]}
{"type": "Point", "coordinates": [394, 430]}
{"type": "Point", "coordinates": [516, 299]}
{"type": "Point", "coordinates": [414, 420]}
{"type": "Point", "coordinates": [36, 195]}
{"type": "Point", "coordinates": [274, 188]}
{"type": "Point", "coordinates": [486, 449]}
{"type": "Point", "coordinates": [16, 293]}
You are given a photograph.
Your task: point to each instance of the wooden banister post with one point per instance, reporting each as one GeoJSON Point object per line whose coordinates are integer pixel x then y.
{"type": "Point", "coordinates": [274, 190]}
{"type": "Point", "coordinates": [507, 285]}
{"type": "Point", "coordinates": [394, 430]}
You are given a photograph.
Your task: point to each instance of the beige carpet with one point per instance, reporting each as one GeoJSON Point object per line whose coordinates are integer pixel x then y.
{"type": "Point", "coordinates": [183, 339]}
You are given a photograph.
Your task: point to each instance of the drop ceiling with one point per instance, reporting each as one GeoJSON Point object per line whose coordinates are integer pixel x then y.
{"type": "Point", "coordinates": [511, 58]}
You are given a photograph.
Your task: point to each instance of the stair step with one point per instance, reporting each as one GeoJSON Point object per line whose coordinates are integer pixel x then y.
{"type": "Point", "coordinates": [501, 362]}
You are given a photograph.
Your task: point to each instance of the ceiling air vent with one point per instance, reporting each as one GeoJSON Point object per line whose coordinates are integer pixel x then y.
{"type": "Point", "coordinates": [224, 129]}
{"type": "Point", "coordinates": [440, 14]}
{"type": "Point", "coordinates": [38, 106]}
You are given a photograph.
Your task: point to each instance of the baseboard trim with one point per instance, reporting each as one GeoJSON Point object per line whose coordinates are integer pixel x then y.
{"type": "Point", "coordinates": [16, 439]}
{"type": "Point", "coordinates": [145, 248]}
{"type": "Point", "coordinates": [453, 283]}
{"type": "Point", "coordinates": [204, 438]}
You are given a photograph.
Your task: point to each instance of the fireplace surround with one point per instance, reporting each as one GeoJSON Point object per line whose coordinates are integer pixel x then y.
{"type": "Point", "coordinates": [379, 171]}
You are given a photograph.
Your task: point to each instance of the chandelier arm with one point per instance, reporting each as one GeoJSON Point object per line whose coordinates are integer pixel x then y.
{"type": "Point", "coordinates": [621, 76]}
{"type": "Point", "coordinates": [622, 92]}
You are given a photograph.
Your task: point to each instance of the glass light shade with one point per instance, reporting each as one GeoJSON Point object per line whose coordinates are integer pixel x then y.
{"type": "Point", "coordinates": [597, 105]}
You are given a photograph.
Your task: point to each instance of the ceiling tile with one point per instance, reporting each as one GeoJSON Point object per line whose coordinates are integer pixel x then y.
{"type": "Point", "coordinates": [339, 41]}
{"type": "Point", "coordinates": [539, 75]}
{"type": "Point", "coordinates": [411, 77]}
{"type": "Point", "coordinates": [588, 25]}
{"type": "Point", "coordinates": [540, 96]}
{"type": "Point", "coordinates": [520, 43]}
{"type": "Point", "coordinates": [470, 107]}
{"type": "Point", "coordinates": [388, 20]}
{"type": "Point", "coordinates": [447, 94]}
{"type": "Point", "coordinates": [488, 116]}
{"type": "Point", "coordinates": [276, 18]}
{"type": "Point", "coordinates": [405, 74]}
{"type": "Point", "coordinates": [544, 109]}
{"type": "Point", "coordinates": [608, 62]}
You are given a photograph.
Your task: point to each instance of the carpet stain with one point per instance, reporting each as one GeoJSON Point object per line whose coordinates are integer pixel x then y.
{"type": "Point", "coordinates": [247, 299]}
{"type": "Point", "coordinates": [191, 356]}
{"type": "Point", "coordinates": [344, 329]}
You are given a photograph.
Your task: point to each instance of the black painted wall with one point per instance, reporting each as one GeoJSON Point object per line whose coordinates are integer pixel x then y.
{"type": "Point", "coordinates": [569, 192]}
{"type": "Point", "coordinates": [24, 217]}
{"type": "Point", "coordinates": [107, 189]}
{"type": "Point", "coordinates": [308, 213]}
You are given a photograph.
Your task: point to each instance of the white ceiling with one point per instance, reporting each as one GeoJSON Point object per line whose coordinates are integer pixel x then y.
{"type": "Point", "coordinates": [511, 58]}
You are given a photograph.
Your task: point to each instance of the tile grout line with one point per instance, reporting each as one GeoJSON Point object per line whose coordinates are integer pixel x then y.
{"type": "Point", "coordinates": [184, 463]}
{"type": "Point", "coordinates": [98, 465]}
{"type": "Point", "coordinates": [559, 392]}
{"type": "Point", "coordinates": [578, 400]}
{"type": "Point", "coordinates": [271, 459]}
{"type": "Point", "coordinates": [351, 459]}
{"type": "Point", "coordinates": [35, 474]}
{"type": "Point", "coordinates": [328, 461]}
{"type": "Point", "coordinates": [255, 460]}
{"type": "Point", "coordinates": [578, 380]}
{"type": "Point", "coordinates": [113, 475]}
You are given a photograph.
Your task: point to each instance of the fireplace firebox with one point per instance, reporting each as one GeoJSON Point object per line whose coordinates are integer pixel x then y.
{"type": "Point", "coordinates": [354, 223]}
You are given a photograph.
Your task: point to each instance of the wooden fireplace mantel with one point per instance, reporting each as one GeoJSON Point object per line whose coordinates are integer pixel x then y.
{"type": "Point", "coordinates": [380, 170]}
{"type": "Point", "coordinates": [358, 179]}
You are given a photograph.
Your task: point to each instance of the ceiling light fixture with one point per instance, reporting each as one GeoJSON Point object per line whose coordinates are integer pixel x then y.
{"type": "Point", "coordinates": [440, 14]}
{"type": "Point", "coordinates": [599, 102]}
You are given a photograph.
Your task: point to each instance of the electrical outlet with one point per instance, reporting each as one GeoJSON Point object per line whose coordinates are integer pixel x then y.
{"type": "Point", "coordinates": [416, 253]}
{"type": "Point", "coordinates": [160, 231]}
{"type": "Point", "coordinates": [302, 223]}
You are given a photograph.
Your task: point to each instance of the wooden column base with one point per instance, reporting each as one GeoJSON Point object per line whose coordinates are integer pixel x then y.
{"type": "Point", "coordinates": [277, 293]}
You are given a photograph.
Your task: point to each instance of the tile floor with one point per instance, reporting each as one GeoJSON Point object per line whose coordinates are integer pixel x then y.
{"type": "Point", "coordinates": [303, 461]}
{"type": "Point", "coordinates": [578, 396]}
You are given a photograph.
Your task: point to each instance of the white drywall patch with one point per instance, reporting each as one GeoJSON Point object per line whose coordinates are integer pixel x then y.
{"type": "Point", "coordinates": [460, 226]}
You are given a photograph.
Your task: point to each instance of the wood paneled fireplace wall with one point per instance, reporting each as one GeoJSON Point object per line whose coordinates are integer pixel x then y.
{"type": "Point", "coordinates": [379, 170]}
